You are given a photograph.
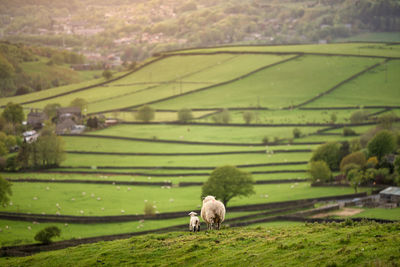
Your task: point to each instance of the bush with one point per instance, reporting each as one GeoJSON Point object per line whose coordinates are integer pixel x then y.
{"type": "Point", "coordinates": [382, 144]}
{"type": "Point", "coordinates": [145, 113]}
{"type": "Point", "coordinates": [149, 209]}
{"type": "Point", "coordinates": [348, 132]}
{"type": "Point", "coordinates": [296, 133]}
{"type": "Point", "coordinates": [107, 74]}
{"type": "Point", "coordinates": [248, 116]}
{"type": "Point", "coordinates": [353, 158]}
{"type": "Point", "coordinates": [330, 153]}
{"type": "Point", "coordinates": [44, 236]}
{"type": "Point", "coordinates": [265, 140]}
{"type": "Point", "coordinates": [355, 145]}
{"type": "Point", "coordinates": [372, 162]}
{"type": "Point", "coordinates": [185, 115]}
{"type": "Point", "coordinates": [319, 172]}
{"type": "Point", "coordinates": [226, 116]}
{"type": "Point", "coordinates": [359, 116]}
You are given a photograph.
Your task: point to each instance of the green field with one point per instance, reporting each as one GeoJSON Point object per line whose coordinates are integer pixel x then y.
{"type": "Point", "coordinates": [302, 73]}
{"type": "Point", "coordinates": [376, 87]}
{"type": "Point", "coordinates": [116, 200]}
{"type": "Point", "coordinates": [310, 245]}
{"type": "Point", "coordinates": [275, 87]}
{"type": "Point", "coordinates": [199, 133]}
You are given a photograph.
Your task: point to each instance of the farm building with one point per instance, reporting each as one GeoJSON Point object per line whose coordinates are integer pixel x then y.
{"type": "Point", "coordinates": [73, 113]}
{"type": "Point", "coordinates": [390, 195]}
{"type": "Point", "coordinates": [36, 119]}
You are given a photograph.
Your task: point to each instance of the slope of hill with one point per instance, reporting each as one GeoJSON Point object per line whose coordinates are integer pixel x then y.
{"type": "Point", "coordinates": [335, 244]}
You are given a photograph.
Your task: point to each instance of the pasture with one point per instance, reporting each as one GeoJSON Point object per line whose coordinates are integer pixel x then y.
{"type": "Point", "coordinates": [284, 84]}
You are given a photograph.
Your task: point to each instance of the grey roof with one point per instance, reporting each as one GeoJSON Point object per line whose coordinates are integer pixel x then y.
{"type": "Point", "coordinates": [393, 190]}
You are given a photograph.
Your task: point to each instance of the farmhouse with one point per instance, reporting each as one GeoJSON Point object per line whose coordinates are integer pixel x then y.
{"type": "Point", "coordinates": [36, 119]}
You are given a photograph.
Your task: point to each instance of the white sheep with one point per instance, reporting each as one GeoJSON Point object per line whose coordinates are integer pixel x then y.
{"type": "Point", "coordinates": [212, 212]}
{"type": "Point", "coordinates": [194, 224]}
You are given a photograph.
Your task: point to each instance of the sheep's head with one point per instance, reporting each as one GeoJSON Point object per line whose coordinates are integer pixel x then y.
{"type": "Point", "coordinates": [208, 198]}
{"type": "Point", "coordinates": [192, 213]}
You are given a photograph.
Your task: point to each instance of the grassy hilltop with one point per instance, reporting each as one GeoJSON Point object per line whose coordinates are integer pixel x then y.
{"type": "Point", "coordinates": [277, 244]}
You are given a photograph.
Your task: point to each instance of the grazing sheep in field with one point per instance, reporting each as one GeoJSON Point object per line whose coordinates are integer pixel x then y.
{"type": "Point", "coordinates": [213, 212]}
{"type": "Point", "coordinates": [194, 224]}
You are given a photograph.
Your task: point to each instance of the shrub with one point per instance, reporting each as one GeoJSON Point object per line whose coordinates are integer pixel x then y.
{"type": "Point", "coordinates": [265, 140]}
{"type": "Point", "coordinates": [107, 74]}
{"type": "Point", "coordinates": [5, 191]}
{"type": "Point", "coordinates": [387, 120]}
{"type": "Point", "coordinates": [45, 235]}
{"type": "Point", "coordinates": [354, 158]}
{"type": "Point", "coordinates": [319, 171]}
{"type": "Point", "coordinates": [383, 143]}
{"type": "Point", "coordinates": [348, 132]}
{"type": "Point", "coordinates": [359, 116]}
{"type": "Point", "coordinates": [330, 153]}
{"type": "Point", "coordinates": [225, 116]}
{"type": "Point", "coordinates": [248, 116]}
{"type": "Point", "coordinates": [145, 113]}
{"type": "Point", "coordinates": [149, 209]}
{"type": "Point", "coordinates": [185, 115]}
{"type": "Point", "coordinates": [333, 118]}
{"type": "Point", "coordinates": [296, 133]}
{"type": "Point", "coordinates": [372, 162]}
{"type": "Point", "coordinates": [355, 145]}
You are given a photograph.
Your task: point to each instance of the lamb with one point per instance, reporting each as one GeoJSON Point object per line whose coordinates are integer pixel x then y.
{"type": "Point", "coordinates": [194, 224]}
{"type": "Point", "coordinates": [212, 212]}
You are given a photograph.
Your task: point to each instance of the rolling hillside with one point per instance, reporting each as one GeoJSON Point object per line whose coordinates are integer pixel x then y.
{"type": "Point", "coordinates": [111, 173]}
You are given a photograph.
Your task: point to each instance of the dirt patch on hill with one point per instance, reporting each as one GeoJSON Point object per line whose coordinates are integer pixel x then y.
{"type": "Point", "coordinates": [346, 212]}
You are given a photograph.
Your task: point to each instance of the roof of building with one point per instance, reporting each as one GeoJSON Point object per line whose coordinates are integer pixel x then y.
{"type": "Point", "coordinates": [393, 190]}
{"type": "Point", "coordinates": [72, 110]}
{"type": "Point", "coordinates": [66, 125]}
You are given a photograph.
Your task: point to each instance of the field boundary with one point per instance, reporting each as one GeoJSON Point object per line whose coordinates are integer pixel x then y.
{"type": "Point", "coordinates": [91, 86]}
{"type": "Point", "coordinates": [290, 163]}
{"type": "Point", "coordinates": [161, 216]}
{"type": "Point", "coordinates": [187, 142]}
{"type": "Point", "coordinates": [200, 89]}
{"type": "Point", "coordinates": [170, 175]}
{"type": "Point", "coordinates": [186, 154]}
{"type": "Point", "coordinates": [339, 85]}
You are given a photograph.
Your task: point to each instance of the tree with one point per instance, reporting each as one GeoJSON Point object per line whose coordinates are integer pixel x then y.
{"type": "Point", "coordinates": [227, 182]}
{"type": "Point", "coordinates": [353, 158]}
{"type": "Point", "coordinates": [107, 74]}
{"type": "Point", "coordinates": [319, 171]}
{"type": "Point", "coordinates": [296, 133]}
{"type": "Point", "coordinates": [185, 115]}
{"type": "Point", "coordinates": [333, 118]}
{"type": "Point", "coordinates": [248, 116]}
{"type": "Point", "coordinates": [145, 113]}
{"type": "Point", "coordinates": [359, 116]}
{"type": "Point", "coordinates": [225, 116]}
{"type": "Point", "coordinates": [358, 177]}
{"type": "Point", "coordinates": [384, 142]}
{"type": "Point", "coordinates": [45, 235]}
{"type": "Point", "coordinates": [50, 150]}
{"type": "Point", "coordinates": [7, 70]}
{"type": "Point", "coordinates": [330, 153]}
{"type": "Point", "coordinates": [79, 102]}
{"type": "Point", "coordinates": [5, 191]}
{"type": "Point", "coordinates": [51, 110]}
{"type": "Point", "coordinates": [13, 113]}
{"type": "Point", "coordinates": [387, 120]}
